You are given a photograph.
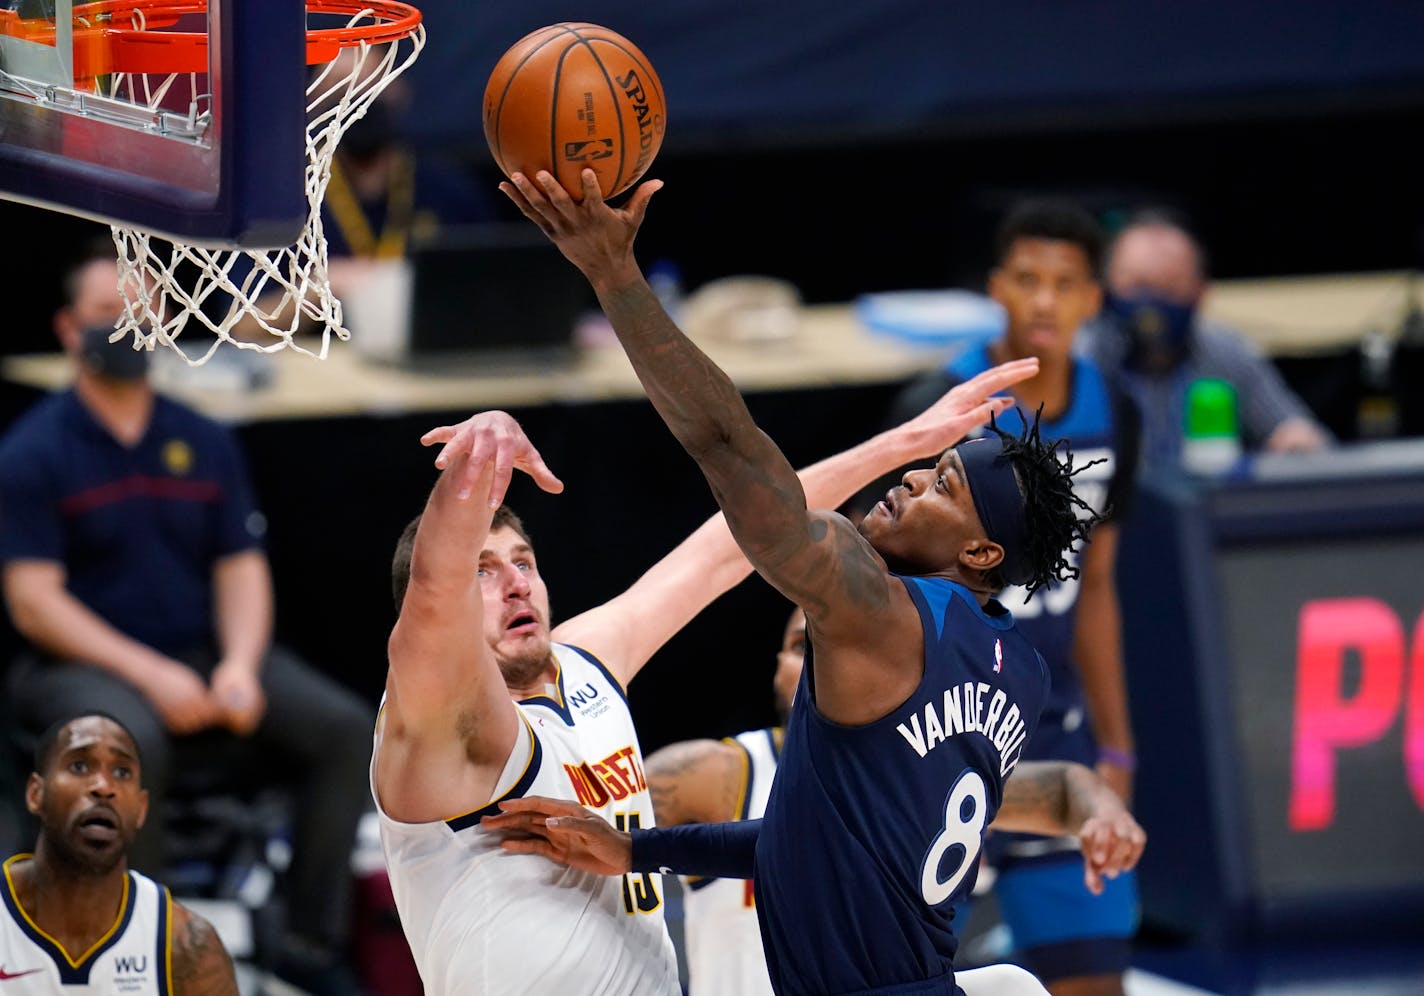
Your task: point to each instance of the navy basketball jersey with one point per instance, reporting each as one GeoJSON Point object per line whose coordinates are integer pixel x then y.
{"type": "Point", "coordinates": [1093, 426]}
{"type": "Point", "coordinates": [873, 831]}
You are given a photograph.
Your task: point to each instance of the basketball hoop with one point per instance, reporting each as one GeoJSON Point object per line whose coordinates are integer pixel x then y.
{"type": "Point", "coordinates": [273, 294]}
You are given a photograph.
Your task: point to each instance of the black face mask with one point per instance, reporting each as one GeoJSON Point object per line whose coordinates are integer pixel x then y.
{"type": "Point", "coordinates": [1158, 330]}
{"type": "Point", "coordinates": [115, 360]}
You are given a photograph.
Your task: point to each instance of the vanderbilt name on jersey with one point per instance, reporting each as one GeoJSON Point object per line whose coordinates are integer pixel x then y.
{"type": "Point", "coordinates": [481, 920]}
{"type": "Point", "coordinates": [134, 958]}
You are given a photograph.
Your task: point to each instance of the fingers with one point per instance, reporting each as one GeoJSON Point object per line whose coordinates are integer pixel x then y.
{"type": "Point", "coordinates": [526, 822]}
{"type": "Point", "coordinates": [637, 205]}
{"type": "Point", "coordinates": [533, 464]}
{"type": "Point", "coordinates": [588, 179]}
{"type": "Point", "coordinates": [439, 434]}
{"type": "Point", "coordinates": [524, 195]}
{"type": "Point", "coordinates": [531, 845]}
{"type": "Point", "coordinates": [503, 473]}
{"type": "Point", "coordinates": [996, 379]}
{"type": "Point", "coordinates": [494, 443]}
{"type": "Point", "coordinates": [1110, 847]}
{"type": "Point", "coordinates": [544, 805]}
{"type": "Point", "coordinates": [1092, 880]}
{"type": "Point", "coordinates": [482, 450]}
{"type": "Point", "coordinates": [1010, 372]}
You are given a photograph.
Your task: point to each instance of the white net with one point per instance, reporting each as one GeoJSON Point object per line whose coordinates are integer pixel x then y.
{"type": "Point", "coordinates": [264, 300]}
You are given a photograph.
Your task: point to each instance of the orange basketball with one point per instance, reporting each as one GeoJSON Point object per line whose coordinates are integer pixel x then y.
{"type": "Point", "coordinates": [575, 95]}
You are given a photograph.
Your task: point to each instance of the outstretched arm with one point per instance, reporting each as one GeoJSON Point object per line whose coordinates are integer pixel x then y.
{"type": "Point", "coordinates": [1058, 797]}
{"type": "Point", "coordinates": [628, 630]}
{"type": "Point", "coordinates": [814, 558]}
{"type": "Point", "coordinates": [449, 723]}
{"type": "Point", "coordinates": [566, 833]}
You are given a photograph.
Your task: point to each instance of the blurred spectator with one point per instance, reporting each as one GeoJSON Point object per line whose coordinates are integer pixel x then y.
{"type": "Point", "coordinates": [383, 196]}
{"type": "Point", "coordinates": [1152, 336]}
{"type": "Point", "coordinates": [133, 566]}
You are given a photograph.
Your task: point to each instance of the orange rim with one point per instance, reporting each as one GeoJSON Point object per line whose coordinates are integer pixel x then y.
{"type": "Point", "coordinates": [104, 47]}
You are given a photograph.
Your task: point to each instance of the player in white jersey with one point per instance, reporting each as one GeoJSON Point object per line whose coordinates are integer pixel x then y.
{"type": "Point", "coordinates": [719, 781]}
{"type": "Point", "coordinates": [76, 921]}
{"type": "Point", "coordinates": [582, 932]}
{"type": "Point", "coordinates": [467, 722]}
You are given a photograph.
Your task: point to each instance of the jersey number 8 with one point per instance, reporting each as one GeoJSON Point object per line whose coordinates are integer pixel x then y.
{"type": "Point", "coordinates": [963, 833]}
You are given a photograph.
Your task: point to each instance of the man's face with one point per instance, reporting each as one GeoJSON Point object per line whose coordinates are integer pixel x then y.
{"type": "Point", "coordinates": [96, 303]}
{"type": "Point", "coordinates": [924, 523]}
{"type": "Point", "coordinates": [789, 661]}
{"type": "Point", "coordinates": [516, 606]}
{"type": "Point", "coordinates": [1155, 259]}
{"type": "Point", "coordinates": [1048, 289]}
{"type": "Point", "coordinates": [89, 802]}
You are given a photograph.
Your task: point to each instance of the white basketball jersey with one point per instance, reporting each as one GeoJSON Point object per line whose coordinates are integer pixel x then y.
{"type": "Point", "coordinates": [480, 920]}
{"type": "Point", "coordinates": [723, 941]}
{"type": "Point", "coordinates": [132, 959]}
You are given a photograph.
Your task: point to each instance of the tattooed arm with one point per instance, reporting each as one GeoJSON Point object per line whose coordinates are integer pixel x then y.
{"type": "Point", "coordinates": [1058, 797]}
{"type": "Point", "coordinates": [697, 781]}
{"type": "Point", "coordinates": [201, 966]}
{"type": "Point", "coordinates": [815, 558]}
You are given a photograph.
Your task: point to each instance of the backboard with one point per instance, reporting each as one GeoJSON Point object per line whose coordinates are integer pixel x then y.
{"type": "Point", "coordinates": [184, 118]}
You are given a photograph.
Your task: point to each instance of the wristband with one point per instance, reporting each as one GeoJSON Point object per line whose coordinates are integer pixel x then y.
{"type": "Point", "coordinates": [1124, 759]}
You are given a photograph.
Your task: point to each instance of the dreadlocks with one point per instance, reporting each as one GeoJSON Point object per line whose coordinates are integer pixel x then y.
{"type": "Point", "coordinates": [1050, 505]}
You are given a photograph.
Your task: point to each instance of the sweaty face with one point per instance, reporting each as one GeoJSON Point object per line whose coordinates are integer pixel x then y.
{"type": "Point", "coordinates": [923, 524]}
{"type": "Point", "coordinates": [1158, 260]}
{"type": "Point", "coordinates": [89, 800]}
{"type": "Point", "coordinates": [1048, 289]}
{"type": "Point", "coordinates": [516, 606]}
{"type": "Point", "coordinates": [789, 661]}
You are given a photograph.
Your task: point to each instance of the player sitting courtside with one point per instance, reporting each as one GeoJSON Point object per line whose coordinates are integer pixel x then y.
{"type": "Point", "coordinates": [76, 919]}
{"type": "Point", "coordinates": [918, 693]}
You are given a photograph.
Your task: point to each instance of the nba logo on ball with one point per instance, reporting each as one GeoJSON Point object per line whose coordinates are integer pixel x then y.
{"type": "Point", "coordinates": [575, 96]}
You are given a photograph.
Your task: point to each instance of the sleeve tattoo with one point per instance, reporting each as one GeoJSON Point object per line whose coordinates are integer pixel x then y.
{"type": "Point", "coordinates": [201, 966]}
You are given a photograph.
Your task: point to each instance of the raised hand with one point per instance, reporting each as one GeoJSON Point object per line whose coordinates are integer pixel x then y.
{"type": "Point", "coordinates": [595, 237]}
{"type": "Point", "coordinates": [490, 438]}
{"type": "Point", "coordinates": [971, 403]}
{"type": "Point", "coordinates": [563, 832]}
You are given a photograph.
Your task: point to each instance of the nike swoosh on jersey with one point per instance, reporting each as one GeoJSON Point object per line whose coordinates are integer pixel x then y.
{"type": "Point", "coordinates": [15, 975]}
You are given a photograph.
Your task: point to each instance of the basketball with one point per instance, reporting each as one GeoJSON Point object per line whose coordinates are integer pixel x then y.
{"type": "Point", "coordinates": [575, 95]}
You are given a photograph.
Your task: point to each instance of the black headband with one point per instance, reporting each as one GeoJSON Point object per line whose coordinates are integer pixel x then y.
{"type": "Point", "coordinates": [999, 503]}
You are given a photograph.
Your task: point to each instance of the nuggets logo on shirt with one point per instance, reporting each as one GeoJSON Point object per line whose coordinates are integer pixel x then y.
{"type": "Point", "coordinates": [178, 457]}
{"type": "Point", "coordinates": [614, 778]}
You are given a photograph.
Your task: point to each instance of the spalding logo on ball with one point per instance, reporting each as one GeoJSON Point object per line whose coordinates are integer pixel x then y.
{"type": "Point", "coordinates": [571, 96]}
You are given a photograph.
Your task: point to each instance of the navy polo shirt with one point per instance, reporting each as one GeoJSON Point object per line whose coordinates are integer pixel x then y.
{"type": "Point", "coordinates": [138, 529]}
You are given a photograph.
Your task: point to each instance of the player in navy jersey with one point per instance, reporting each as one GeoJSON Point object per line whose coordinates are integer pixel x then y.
{"type": "Point", "coordinates": [1045, 276]}
{"type": "Point", "coordinates": [918, 692]}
